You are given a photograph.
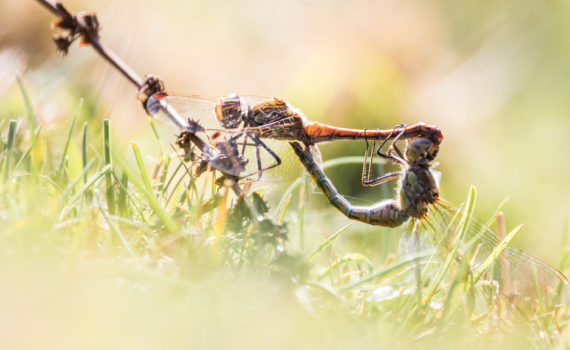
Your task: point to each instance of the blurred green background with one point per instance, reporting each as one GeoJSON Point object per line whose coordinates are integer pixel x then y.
{"type": "Point", "coordinates": [493, 75]}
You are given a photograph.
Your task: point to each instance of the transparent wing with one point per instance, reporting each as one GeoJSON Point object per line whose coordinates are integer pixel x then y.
{"type": "Point", "coordinates": [517, 273]}
{"type": "Point", "coordinates": [277, 161]}
{"type": "Point", "coordinates": [200, 108]}
{"type": "Point", "coordinates": [236, 152]}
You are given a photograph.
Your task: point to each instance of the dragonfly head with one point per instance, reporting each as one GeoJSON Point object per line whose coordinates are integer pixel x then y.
{"type": "Point", "coordinates": [422, 151]}
{"type": "Point", "coordinates": [230, 111]}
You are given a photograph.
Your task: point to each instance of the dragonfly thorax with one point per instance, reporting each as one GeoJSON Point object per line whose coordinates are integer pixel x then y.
{"type": "Point", "coordinates": [233, 110]}
{"type": "Point", "coordinates": [269, 111]}
{"type": "Point", "coordinates": [419, 190]}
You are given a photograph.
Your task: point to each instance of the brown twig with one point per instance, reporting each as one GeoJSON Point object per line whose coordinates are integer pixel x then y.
{"type": "Point", "coordinates": [501, 233]}
{"type": "Point", "coordinates": [86, 26]}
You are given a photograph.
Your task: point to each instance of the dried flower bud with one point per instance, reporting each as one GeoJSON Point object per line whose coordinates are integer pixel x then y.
{"type": "Point", "coordinates": [62, 41]}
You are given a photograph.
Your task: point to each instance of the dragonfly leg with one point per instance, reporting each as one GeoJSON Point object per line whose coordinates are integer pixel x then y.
{"type": "Point", "coordinates": [243, 144]}
{"type": "Point", "coordinates": [249, 177]}
{"type": "Point", "coordinates": [381, 179]}
{"type": "Point", "coordinates": [394, 145]}
{"type": "Point", "coordinates": [227, 159]}
{"type": "Point", "coordinates": [260, 169]}
{"type": "Point", "coordinates": [388, 155]}
{"type": "Point", "coordinates": [367, 165]}
{"type": "Point", "coordinates": [258, 157]}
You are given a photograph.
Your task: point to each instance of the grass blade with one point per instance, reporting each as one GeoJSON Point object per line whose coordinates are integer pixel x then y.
{"type": "Point", "coordinates": [496, 253]}
{"type": "Point", "coordinates": [33, 124]}
{"type": "Point", "coordinates": [462, 228]}
{"type": "Point", "coordinates": [385, 272]}
{"type": "Point", "coordinates": [103, 172]}
{"type": "Point", "coordinates": [149, 195]}
{"type": "Point", "coordinates": [351, 257]}
{"type": "Point", "coordinates": [329, 240]}
{"type": "Point", "coordinates": [287, 194]}
{"type": "Point", "coordinates": [328, 164]}
{"type": "Point", "coordinates": [69, 188]}
{"type": "Point", "coordinates": [10, 147]}
{"type": "Point", "coordinates": [142, 168]}
{"type": "Point", "coordinates": [29, 151]}
{"type": "Point", "coordinates": [110, 188]}
{"type": "Point", "coordinates": [59, 172]}
{"type": "Point", "coordinates": [118, 232]}
{"type": "Point", "coordinates": [122, 200]}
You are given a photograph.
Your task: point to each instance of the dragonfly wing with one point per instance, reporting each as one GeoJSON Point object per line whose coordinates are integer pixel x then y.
{"type": "Point", "coordinates": [516, 272]}
{"type": "Point", "coordinates": [269, 160]}
{"type": "Point", "coordinates": [194, 107]}
{"type": "Point", "coordinates": [203, 108]}
{"type": "Point", "coordinates": [316, 154]}
{"type": "Point", "coordinates": [248, 153]}
{"type": "Point", "coordinates": [254, 99]}
{"type": "Point", "coordinates": [176, 112]}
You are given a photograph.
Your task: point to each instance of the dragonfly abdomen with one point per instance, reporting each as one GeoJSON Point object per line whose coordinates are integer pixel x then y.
{"type": "Point", "coordinates": [319, 132]}
{"type": "Point", "coordinates": [386, 213]}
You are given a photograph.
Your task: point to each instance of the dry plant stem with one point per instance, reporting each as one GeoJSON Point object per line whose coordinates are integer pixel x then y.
{"type": "Point", "coordinates": [92, 39]}
{"type": "Point", "coordinates": [501, 232]}
{"type": "Point", "coordinates": [90, 36]}
{"type": "Point", "coordinates": [116, 61]}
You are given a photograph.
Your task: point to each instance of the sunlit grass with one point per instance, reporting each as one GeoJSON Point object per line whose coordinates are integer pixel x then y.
{"type": "Point", "coordinates": [122, 252]}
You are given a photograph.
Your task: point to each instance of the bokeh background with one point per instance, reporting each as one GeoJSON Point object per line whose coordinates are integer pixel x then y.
{"type": "Point", "coordinates": [494, 75]}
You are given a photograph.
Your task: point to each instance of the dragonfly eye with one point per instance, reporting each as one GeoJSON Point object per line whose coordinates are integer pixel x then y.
{"type": "Point", "coordinates": [432, 153]}
{"type": "Point", "coordinates": [153, 104]}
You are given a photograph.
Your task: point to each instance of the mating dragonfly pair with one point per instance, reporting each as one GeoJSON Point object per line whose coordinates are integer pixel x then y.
{"type": "Point", "coordinates": [240, 131]}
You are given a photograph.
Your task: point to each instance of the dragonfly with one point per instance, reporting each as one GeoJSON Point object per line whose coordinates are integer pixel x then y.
{"type": "Point", "coordinates": [419, 201]}
{"type": "Point", "coordinates": [222, 156]}
{"type": "Point", "coordinates": [250, 125]}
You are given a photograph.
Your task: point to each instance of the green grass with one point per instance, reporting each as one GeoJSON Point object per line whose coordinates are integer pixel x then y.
{"type": "Point", "coordinates": [98, 251]}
